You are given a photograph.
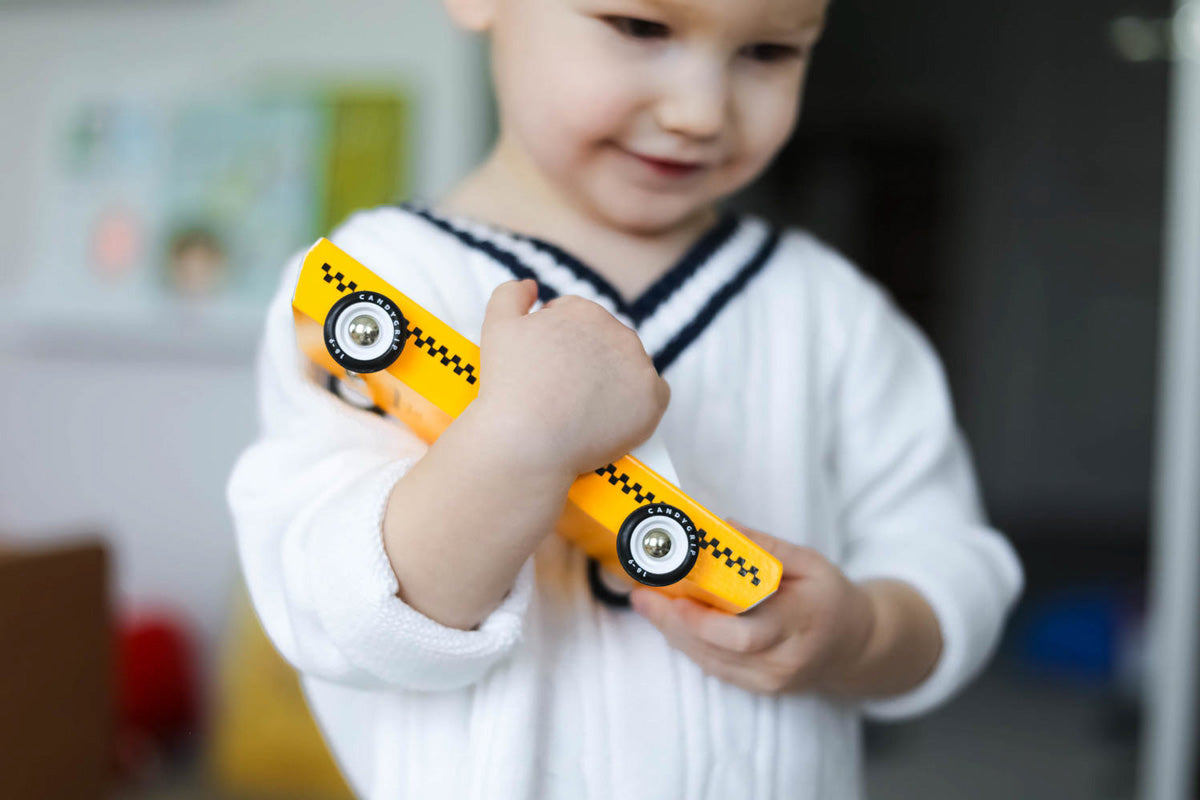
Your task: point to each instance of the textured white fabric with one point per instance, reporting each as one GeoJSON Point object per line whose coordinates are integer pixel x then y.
{"type": "Point", "coordinates": [802, 404]}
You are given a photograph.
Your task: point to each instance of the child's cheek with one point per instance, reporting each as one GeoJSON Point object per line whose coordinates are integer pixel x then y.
{"type": "Point", "coordinates": [595, 100]}
{"type": "Point", "coordinates": [768, 115]}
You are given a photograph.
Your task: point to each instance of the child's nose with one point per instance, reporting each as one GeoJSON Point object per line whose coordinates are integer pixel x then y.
{"type": "Point", "coordinates": [694, 103]}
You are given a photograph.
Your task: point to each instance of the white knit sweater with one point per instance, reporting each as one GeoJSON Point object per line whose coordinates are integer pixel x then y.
{"type": "Point", "coordinates": [802, 404]}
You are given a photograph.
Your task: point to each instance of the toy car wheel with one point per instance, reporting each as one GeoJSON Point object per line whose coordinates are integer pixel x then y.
{"type": "Point", "coordinates": [365, 332]}
{"type": "Point", "coordinates": [657, 545]}
{"type": "Point", "coordinates": [601, 589]}
{"type": "Point", "coordinates": [353, 392]}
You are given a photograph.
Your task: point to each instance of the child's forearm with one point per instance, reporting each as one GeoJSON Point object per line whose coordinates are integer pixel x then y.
{"type": "Point", "coordinates": [464, 519]}
{"type": "Point", "coordinates": [904, 644]}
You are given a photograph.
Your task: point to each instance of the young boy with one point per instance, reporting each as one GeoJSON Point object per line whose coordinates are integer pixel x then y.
{"type": "Point", "coordinates": [449, 643]}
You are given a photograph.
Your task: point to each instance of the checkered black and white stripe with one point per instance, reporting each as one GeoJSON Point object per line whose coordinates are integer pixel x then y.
{"type": "Point", "coordinates": [330, 277]}
{"type": "Point", "coordinates": [714, 546]}
{"type": "Point", "coordinates": [443, 356]}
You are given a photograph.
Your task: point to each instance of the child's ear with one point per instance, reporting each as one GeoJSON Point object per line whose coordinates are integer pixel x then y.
{"type": "Point", "coordinates": [474, 15]}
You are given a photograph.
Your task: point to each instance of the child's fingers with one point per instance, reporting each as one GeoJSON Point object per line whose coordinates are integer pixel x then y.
{"type": "Point", "coordinates": [734, 635]}
{"type": "Point", "coordinates": [743, 634]}
{"type": "Point", "coordinates": [660, 612]}
{"type": "Point", "coordinates": [663, 613]}
{"type": "Point", "coordinates": [667, 614]}
{"type": "Point", "coordinates": [511, 299]}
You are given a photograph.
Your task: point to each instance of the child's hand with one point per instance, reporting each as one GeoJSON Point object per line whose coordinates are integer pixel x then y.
{"type": "Point", "coordinates": [568, 387]}
{"type": "Point", "coordinates": [808, 635]}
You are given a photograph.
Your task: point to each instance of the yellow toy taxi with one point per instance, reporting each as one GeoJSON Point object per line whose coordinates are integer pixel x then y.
{"type": "Point", "coordinates": [382, 351]}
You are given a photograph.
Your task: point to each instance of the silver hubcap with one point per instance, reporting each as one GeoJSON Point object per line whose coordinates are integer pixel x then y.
{"type": "Point", "coordinates": [656, 543]}
{"type": "Point", "coordinates": [364, 330]}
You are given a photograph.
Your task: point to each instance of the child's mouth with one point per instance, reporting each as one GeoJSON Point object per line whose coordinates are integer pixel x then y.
{"type": "Point", "coordinates": [666, 167]}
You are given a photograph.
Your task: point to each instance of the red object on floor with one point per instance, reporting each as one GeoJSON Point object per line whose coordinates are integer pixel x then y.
{"type": "Point", "coordinates": [157, 691]}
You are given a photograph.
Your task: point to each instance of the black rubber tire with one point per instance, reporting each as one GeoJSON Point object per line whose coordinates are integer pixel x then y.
{"type": "Point", "coordinates": [334, 384]}
{"type": "Point", "coordinates": [625, 554]}
{"type": "Point", "coordinates": [399, 333]}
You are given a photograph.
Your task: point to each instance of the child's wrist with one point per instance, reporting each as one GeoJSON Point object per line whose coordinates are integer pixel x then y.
{"type": "Point", "coordinates": [862, 632]}
{"type": "Point", "coordinates": [506, 443]}
{"type": "Point", "coordinates": [903, 646]}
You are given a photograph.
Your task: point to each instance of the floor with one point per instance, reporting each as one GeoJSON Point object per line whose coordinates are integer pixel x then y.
{"type": "Point", "coordinates": [1006, 737]}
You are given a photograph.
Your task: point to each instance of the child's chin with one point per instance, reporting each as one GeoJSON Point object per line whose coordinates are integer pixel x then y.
{"type": "Point", "coordinates": [649, 216]}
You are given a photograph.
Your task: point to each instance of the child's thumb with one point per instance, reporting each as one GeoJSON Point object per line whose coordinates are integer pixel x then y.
{"type": "Point", "coordinates": [511, 299]}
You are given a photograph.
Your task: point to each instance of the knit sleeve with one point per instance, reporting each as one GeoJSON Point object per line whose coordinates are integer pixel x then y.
{"type": "Point", "coordinates": [308, 498]}
{"type": "Point", "coordinates": [910, 504]}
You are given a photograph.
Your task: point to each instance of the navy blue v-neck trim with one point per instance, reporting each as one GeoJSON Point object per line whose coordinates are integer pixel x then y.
{"type": "Point", "coordinates": [639, 309]}
{"type": "Point", "coordinates": [664, 286]}
{"type": "Point", "coordinates": [652, 298]}
{"type": "Point", "coordinates": [510, 261]}
{"type": "Point", "coordinates": [693, 329]}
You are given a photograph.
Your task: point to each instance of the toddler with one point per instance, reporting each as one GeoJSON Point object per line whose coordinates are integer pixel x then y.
{"type": "Point", "coordinates": [451, 645]}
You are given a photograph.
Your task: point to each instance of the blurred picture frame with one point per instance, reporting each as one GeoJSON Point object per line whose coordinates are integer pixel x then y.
{"type": "Point", "coordinates": [164, 225]}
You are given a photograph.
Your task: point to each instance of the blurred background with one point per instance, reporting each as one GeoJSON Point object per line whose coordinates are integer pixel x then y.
{"type": "Point", "coordinates": [1005, 170]}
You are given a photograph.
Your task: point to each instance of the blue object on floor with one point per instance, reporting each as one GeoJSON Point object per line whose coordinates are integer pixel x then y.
{"type": "Point", "coordinates": [1074, 633]}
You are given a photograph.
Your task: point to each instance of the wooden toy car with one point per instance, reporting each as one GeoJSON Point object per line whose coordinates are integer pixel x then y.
{"type": "Point", "coordinates": [402, 361]}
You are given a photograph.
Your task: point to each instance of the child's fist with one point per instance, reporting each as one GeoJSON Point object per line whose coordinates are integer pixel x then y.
{"type": "Point", "coordinates": [569, 385]}
{"type": "Point", "coordinates": [813, 628]}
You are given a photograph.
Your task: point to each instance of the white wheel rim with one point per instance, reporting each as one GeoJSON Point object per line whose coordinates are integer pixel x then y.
{"type": "Point", "coordinates": [387, 331]}
{"type": "Point", "coordinates": [672, 560]}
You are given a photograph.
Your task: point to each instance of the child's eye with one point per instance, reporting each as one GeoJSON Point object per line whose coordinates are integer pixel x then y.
{"type": "Point", "coordinates": [772, 52]}
{"type": "Point", "coordinates": [638, 28]}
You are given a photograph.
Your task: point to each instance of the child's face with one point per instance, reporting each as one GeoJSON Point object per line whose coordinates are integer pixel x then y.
{"type": "Point", "coordinates": [589, 88]}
